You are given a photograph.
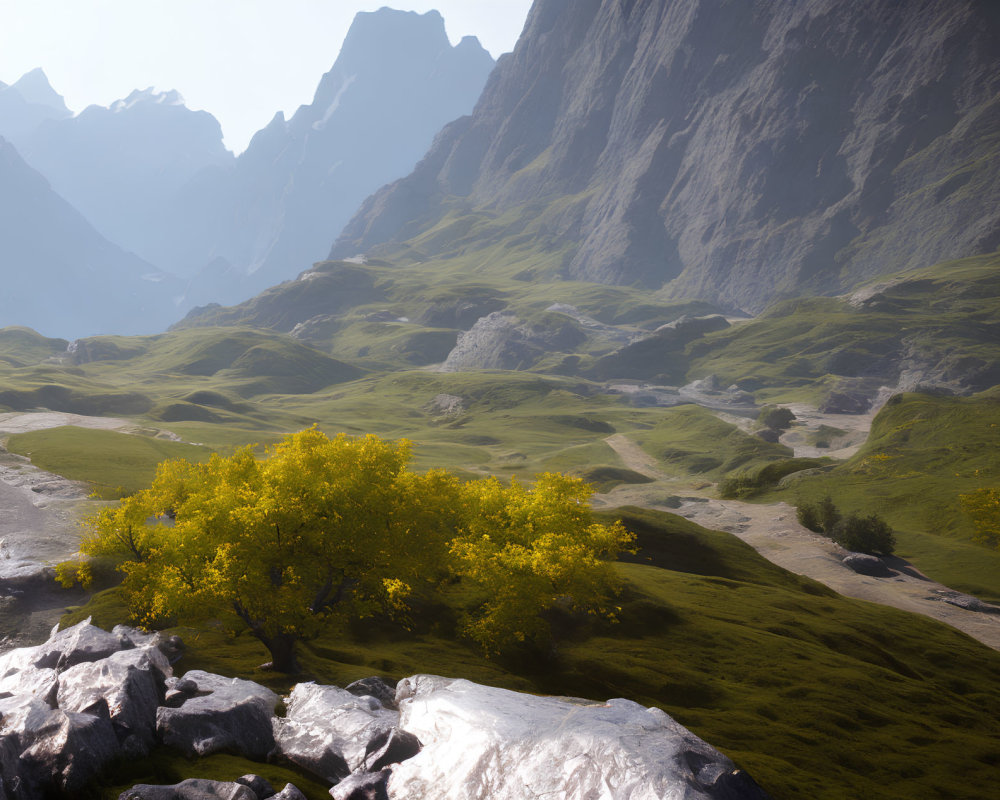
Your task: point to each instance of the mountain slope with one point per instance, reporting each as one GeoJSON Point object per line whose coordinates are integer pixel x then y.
{"type": "Point", "coordinates": [737, 152]}
{"type": "Point", "coordinates": [396, 82]}
{"type": "Point", "coordinates": [61, 276]}
{"type": "Point", "coordinates": [122, 166]}
{"type": "Point", "coordinates": [28, 103]}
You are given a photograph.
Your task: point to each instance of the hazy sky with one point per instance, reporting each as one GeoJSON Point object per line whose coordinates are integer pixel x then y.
{"type": "Point", "coordinates": [242, 60]}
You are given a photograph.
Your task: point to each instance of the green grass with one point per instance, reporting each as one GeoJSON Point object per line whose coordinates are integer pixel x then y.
{"type": "Point", "coordinates": [690, 440]}
{"type": "Point", "coordinates": [944, 316]}
{"type": "Point", "coordinates": [20, 346]}
{"type": "Point", "coordinates": [923, 452]}
{"type": "Point", "coordinates": [814, 694]}
{"type": "Point", "coordinates": [113, 463]}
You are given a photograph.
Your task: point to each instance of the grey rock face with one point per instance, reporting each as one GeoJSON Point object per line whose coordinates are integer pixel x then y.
{"type": "Point", "coordinates": [452, 738]}
{"type": "Point", "coordinates": [224, 715]}
{"type": "Point", "coordinates": [502, 341]}
{"type": "Point", "coordinates": [81, 643]}
{"type": "Point", "coordinates": [485, 742]}
{"type": "Point", "coordinates": [736, 153]}
{"type": "Point", "coordinates": [327, 730]}
{"type": "Point", "coordinates": [388, 748]}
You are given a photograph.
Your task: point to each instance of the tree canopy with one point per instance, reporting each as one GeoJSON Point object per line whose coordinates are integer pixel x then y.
{"type": "Point", "coordinates": [322, 527]}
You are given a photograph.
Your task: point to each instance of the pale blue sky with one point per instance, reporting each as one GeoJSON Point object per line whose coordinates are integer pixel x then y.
{"type": "Point", "coordinates": [242, 60]}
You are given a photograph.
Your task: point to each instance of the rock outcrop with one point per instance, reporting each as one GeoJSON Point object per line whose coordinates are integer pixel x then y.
{"type": "Point", "coordinates": [85, 698]}
{"type": "Point", "coordinates": [737, 152]}
{"type": "Point", "coordinates": [484, 742]}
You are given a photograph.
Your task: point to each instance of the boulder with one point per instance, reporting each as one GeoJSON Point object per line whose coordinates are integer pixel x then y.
{"type": "Point", "coordinates": [171, 646]}
{"type": "Point", "coordinates": [56, 748]}
{"type": "Point", "coordinates": [248, 787]}
{"type": "Point", "coordinates": [363, 786]}
{"type": "Point", "coordinates": [131, 682]}
{"type": "Point", "coordinates": [224, 715]}
{"type": "Point", "coordinates": [259, 786]}
{"type": "Point", "coordinates": [30, 682]}
{"type": "Point", "coordinates": [290, 792]}
{"type": "Point", "coordinates": [83, 642]}
{"type": "Point", "coordinates": [327, 730]}
{"type": "Point", "coordinates": [480, 741]}
{"type": "Point", "coordinates": [865, 564]}
{"type": "Point", "coordinates": [375, 687]}
{"type": "Point", "coordinates": [970, 603]}
{"type": "Point", "coordinates": [191, 789]}
{"type": "Point", "coordinates": [390, 747]}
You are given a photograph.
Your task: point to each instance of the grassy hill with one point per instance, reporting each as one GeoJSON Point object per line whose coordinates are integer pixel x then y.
{"type": "Point", "coordinates": [924, 451]}
{"type": "Point", "coordinates": [816, 695]}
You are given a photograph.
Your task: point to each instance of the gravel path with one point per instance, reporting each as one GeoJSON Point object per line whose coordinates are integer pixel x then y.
{"type": "Point", "coordinates": [773, 531]}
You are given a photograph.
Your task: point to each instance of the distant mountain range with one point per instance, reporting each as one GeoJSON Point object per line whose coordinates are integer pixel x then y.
{"type": "Point", "coordinates": [60, 275]}
{"type": "Point", "coordinates": [152, 177]}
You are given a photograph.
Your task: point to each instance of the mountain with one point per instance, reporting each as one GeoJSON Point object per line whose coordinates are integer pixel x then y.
{"type": "Point", "coordinates": [737, 152]}
{"type": "Point", "coordinates": [27, 104]}
{"type": "Point", "coordinates": [60, 276]}
{"type": "Point", "coordinates": [122, 166]}
{"type": "Point", "coordinates": [396, 82]}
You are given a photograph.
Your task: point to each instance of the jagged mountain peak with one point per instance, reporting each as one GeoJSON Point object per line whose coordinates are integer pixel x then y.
{"type": "Point", "coordinates": [35, 88]}
{"type": "Point", "coordinates": [148, 96]}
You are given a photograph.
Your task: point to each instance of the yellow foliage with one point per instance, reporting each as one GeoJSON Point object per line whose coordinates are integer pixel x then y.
{"type": "Point", "coordinates": [983, 506]}
{"type": "Point", "coordinates": [341, 526]}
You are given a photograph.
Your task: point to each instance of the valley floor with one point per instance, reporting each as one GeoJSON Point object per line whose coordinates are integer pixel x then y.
{"type": "Point", "coordinates": [41, 516]}
{"type": "Point", "coordinates": [773, 531]}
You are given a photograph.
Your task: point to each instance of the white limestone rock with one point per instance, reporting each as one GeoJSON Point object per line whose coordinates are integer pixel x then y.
{"type": "Point", "coordinates": [131, 683]}
{"type": "Point", "coordinates": [327, 729]}
{"type": "Point", "coordinates": [80, 643]}
{"type": "Point", "coordinates": [481, 742]}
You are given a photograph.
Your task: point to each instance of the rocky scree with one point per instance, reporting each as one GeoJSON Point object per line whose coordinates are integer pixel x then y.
{"type": "Point", "coordinates": [86, 698]}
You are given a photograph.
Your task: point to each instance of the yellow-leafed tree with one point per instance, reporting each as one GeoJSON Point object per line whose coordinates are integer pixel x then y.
{"type": "Point", "coordinates": [530, 548]}
{"type": "Point", "coordinates": [341, 526]}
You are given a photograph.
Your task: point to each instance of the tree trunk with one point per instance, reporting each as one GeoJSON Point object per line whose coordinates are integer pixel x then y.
{"type": "Point", "coordinates": [282, 649]}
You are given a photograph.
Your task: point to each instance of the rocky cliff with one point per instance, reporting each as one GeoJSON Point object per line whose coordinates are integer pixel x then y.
{"type": "Point", "coordinates": [734, 151]}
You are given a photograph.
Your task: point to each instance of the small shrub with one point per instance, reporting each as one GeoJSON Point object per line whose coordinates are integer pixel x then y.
{"type": "Point", "coordinates": [775, 417]}
{"type": "Point", "coordinates": [808, 517]}
{"type": "Point", "coordinates": [829, 516]}
{"type": "Point", "coordinates": [870, 535]}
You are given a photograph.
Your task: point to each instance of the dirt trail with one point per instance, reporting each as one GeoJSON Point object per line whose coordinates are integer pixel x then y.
{"type": "Point", "coordinates": [40, 517]}
{"type": "Point", "coordinates": [773, 531]}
